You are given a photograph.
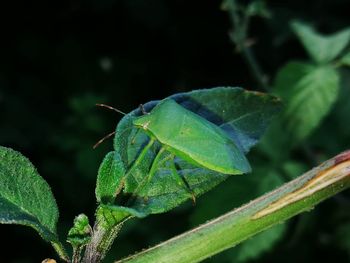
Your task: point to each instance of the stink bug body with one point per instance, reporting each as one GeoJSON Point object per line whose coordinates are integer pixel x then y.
{"type": "Point", "coordinates": [192, 138]}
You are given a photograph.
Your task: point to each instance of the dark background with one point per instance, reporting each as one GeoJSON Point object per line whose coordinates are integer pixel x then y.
{"type": "Point", "coordinates": [59, 58]}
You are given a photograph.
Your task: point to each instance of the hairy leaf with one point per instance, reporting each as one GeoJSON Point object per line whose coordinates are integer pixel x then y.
{"type": "Point", "coordinates": [25, 197]}
{"type": "Point", "coordinates": [80, 233]}
{"type": "Point", "coordinates": [243, 115]}
{"type": "Point", "coordinates": [109, 177]}
{"type": "Point", "coordinates": [113, 214]}
{"type": "Point", "coordinates": [322, 49]}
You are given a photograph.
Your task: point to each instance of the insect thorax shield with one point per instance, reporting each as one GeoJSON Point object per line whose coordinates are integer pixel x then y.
{"type": "Point", "coordinates": [193, 138]}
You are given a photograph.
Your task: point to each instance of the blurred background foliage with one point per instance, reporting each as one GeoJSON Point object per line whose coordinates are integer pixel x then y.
{"type": "Point", "coordinates": [60, 58]}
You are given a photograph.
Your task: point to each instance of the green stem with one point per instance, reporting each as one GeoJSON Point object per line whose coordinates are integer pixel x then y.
{"type": "Point", "coordinates": [76, 254]}
{"type": "Point", "coordinates": [104, 234]}
{"type": "Point", "coordinates": [295, 197]}
{"type": "Point", "coordinates": [104, 231]}
{"type": "Point", "coordinates": [60, 251]}
{"type": "Point", "coordinates": [239, 38]}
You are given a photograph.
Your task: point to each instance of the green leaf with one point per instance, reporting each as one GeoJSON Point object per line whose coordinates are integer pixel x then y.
{"type": "Point", "coordinates": [345, 60]}
{"type": "Point", "coordinates": [243, 115]}
{"type": "Point", "coordinates": [322, 49]}
{"type": "Point", "coordinates": [113, 214]}
{"type": "Point", "coordinates": [309, 93]}
{"type": "Point", "coordinates": [109, 178]}
{"type": "Point", "coordinates": [80, 234]}
{"type": "Point", "coordinates": [312, 98]}
{"type": "Point", "coordinates": [25, 197]}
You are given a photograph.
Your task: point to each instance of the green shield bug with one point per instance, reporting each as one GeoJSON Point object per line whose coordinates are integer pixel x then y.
{"type": "Point", "coordinates": [187, 135]}
{"type": "Point", "coordinates": [192, 138]}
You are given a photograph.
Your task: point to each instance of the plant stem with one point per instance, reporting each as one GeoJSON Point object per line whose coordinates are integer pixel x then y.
{"type": "Point", "coordinates": [295, 197]}
{"type": "Point", "coordinates": [76, 254]}
{"type": "Point", "coordinates": [60, 251]}
{"type": "Point", "coordinates": [240, 22]}
{"type": "Point", "coordinates": [105, 231]}
{"type": "Point", "coordinates": [103, 236]}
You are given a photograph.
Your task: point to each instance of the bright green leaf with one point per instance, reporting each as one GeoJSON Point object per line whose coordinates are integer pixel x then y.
{"type": "Point", "coordinates": [243, 115]}
{"type": "Point", "coordinates": [25, 197]}
{"type": "Point", "coordinates": [80, 234]}
{"type": "Point", "coordinates": [322, 49]}
{"type": "Point", "coordinates": [109, 178]}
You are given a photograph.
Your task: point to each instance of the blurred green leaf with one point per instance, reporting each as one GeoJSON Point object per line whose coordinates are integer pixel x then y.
{"type": "Point", "coordinates": [109, 178]}
{"type": "Point", "coordinates": [25, 197]}
{"type": "Point", "coordinates": [293, 169]}
{"type": "Point", "coordinates": [254, 247]}
{"type": "Point", "coordinates": [343, 237]}
{"type": "Point", "coordinates": [258, 8]}
{"type": "Point", "coordinates": [80, 234]}
{"type": "Point", "coordinates": [243, 115]}
{"type": "Point", "coordinates": [309, 92]}
{"type": "Point", "coordinates": [322, 49]}
{"type": "Point", "coordinates": [345, 60]}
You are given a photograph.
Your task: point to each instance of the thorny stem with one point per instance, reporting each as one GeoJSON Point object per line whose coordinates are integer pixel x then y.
{"type": "Point", "coordinates": [224, 232]}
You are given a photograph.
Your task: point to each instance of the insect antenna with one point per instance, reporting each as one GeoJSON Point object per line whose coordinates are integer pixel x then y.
{"type": "Point", "coordinates": [112, 133]}
{"type": "Point", "coordinates": [103, 139]}
{"type": "Point", "coordinates": [110, 108]}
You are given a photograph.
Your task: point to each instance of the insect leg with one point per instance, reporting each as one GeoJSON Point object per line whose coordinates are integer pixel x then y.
{"type": "Point", "coordinates": [133, 138]}
{"type": "Point", "coordinates": [140, 157]}
{"type": "Point", "coordinates": [148, 178]}
{"type": "Point", "coordinates": [181, 180]}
